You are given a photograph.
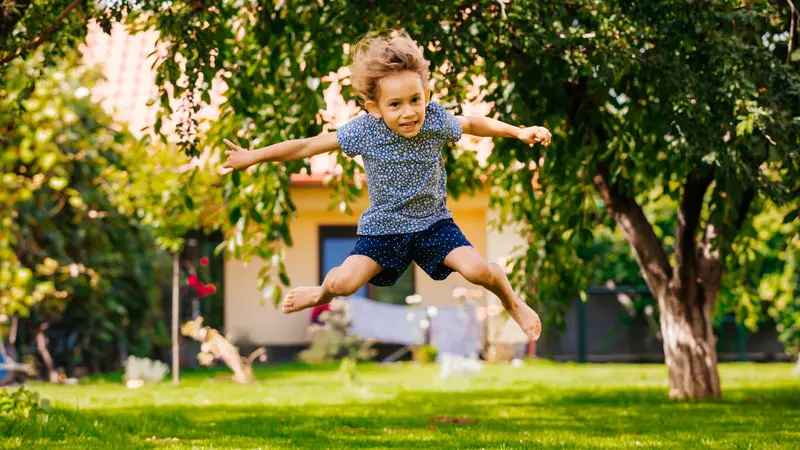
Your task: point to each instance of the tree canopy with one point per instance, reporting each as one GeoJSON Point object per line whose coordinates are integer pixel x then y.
{"type": "Point", "coordinates": [69, 259]}
{"type": "Point", "coordinates": [692, 104]}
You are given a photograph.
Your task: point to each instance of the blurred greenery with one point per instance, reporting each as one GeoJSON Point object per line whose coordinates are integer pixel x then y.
{"type": "Point", "coordinates": [541, 405]}
{"type": "Point", "coordinates": [78, 268]}
{"type": "Point", "coordinates": [652, 105]}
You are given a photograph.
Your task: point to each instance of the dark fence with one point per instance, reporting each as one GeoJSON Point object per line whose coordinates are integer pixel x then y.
{"type": "Point", "coordinates": [614, 326]}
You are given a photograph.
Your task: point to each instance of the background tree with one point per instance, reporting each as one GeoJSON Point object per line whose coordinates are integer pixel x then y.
{"type": "Point", "coordinates": [693, 102]}
{"type": "Point", "coordinates": [74, 268]}
{"type": "Point", "coordinates": [717, 135]}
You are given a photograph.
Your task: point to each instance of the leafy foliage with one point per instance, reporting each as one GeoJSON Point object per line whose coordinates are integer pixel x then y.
{"type": "Point", "coordinates": [763, 284]}
{"type": "Point", "coordinates": [69, 257]}
{"type": "Point", "coordinates": [641, 97]}
{"type": "Point", "coordinates": [20, 404]}
{"type": "Point", "coordinates": [333, 341]}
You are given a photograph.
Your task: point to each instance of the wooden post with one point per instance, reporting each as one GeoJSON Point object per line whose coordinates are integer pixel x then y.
{"type": "Point", "coordinates": [175, 299]}
{"type": "Point", "coordinates": [582, 357]}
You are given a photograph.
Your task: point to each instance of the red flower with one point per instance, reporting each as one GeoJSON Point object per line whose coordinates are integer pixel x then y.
{"type": "Point", "coordinates": [204, 261]}
{"type": "Point", "coordinates": [206, 289]}
{"type": "Point", "coordinates": [201, 289]}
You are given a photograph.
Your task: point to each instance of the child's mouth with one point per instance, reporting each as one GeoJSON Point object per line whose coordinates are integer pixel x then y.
{"type": "Point", "coordinates": [408, 126]}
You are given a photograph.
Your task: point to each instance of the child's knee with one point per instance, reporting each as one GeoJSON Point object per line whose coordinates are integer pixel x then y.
{"type": "Point", "coordinates": [340, 283]}
{"type": "Point", "coordinates": [480, 274]}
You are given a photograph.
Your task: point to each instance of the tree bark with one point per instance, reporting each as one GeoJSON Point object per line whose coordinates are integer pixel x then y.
{"type": "Point", "coordinates": [685, 293]}
{"type": "Point", "coordinates": [689, 340]}
{"type": "Point", "coordinates": [684, 301]}
{"type": "Point", "coordinates": [176, 269]}
{"type": "Point", "coordinates": [689, 346]}
{"type": "Point", "coordinates": [41, 345]}
{"type": "Point", "coordinates": [685, 306]}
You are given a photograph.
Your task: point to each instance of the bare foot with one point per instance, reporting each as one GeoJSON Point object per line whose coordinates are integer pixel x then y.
{"type": "Point", "coordinates": [527, 319]}
{"type": "Point", "coordinates": [302, 298]}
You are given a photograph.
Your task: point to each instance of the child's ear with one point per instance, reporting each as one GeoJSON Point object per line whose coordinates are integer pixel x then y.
{"type": "Point", "coordinates": [427, 96]}
{"type": "Point", "coordinates": [373, 109]}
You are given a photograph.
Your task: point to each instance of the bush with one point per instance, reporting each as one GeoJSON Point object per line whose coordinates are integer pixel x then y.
{"type": "Point", "coordinates": [144, 369]}
{"type": "Point", "coordinates": [424, 354]}
{"type": "Point", "coordinates": [20, 403]}
{"type": "Point", "coordinates": [332, 342]}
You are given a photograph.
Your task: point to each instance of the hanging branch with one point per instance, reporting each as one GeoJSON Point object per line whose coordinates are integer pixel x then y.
{"type": "Point", "coordinates": [792, 20]}
{"type": "Point", "coordinates": [44, 36]}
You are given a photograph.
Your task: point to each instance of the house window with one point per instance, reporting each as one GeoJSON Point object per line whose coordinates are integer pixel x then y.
{"type": "Point", "coordinates": [336, 242]}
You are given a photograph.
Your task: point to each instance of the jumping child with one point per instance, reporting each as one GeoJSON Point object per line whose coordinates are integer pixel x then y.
{"type": "Point", "coordinates": [400, 142]}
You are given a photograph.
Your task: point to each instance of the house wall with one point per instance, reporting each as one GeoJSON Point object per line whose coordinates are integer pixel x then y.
{"type": "Point", "coordinates": [250, 321]}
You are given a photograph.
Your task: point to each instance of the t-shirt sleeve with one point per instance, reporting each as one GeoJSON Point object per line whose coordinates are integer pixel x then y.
{"type": "Point", "coordinates": [448, 125]}
{"type": "Point", "coordinates": [352, 136]}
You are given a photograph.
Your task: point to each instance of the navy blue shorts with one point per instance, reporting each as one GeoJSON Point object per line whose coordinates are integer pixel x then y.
{"type": "Point", "coordinates": [427, 248]}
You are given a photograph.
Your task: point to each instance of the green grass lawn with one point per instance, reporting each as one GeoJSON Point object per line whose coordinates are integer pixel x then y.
{"type": "Point", "coordinates": [542, 405]}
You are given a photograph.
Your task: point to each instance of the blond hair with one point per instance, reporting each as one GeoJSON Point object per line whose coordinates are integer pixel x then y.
{"type": "Point", "coordinates": [376, 57]}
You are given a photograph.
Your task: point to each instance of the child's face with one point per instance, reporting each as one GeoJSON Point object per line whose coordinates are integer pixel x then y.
{"type": "Point", "coordinates": [401, 103]}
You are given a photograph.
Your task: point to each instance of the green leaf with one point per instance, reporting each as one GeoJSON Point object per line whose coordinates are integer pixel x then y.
{"type": "Point", "coordinates": [792, 216]}
{"type": "Point", "coordinates": [235, 214]}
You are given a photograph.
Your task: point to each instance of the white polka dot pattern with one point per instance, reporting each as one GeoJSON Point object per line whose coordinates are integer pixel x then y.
{"type": "Point", "coordinates": [427, 248]}
{"type": "Point", "coordinates": [406, 179]}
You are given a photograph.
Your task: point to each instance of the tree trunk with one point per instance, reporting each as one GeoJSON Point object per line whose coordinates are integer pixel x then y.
{"type": "Point", "coordinates": [176, 269]}
{"type": "Point", "coordinates": [41, 345]}
{"type": "Point", "coordinates": [687, 291]}
{"type": "Point", "coordinates": [689, 346]}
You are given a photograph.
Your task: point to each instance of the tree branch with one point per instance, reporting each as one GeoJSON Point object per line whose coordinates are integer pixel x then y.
{"type": "Point", "coordinates": [45, 35]}
{"type": "Point", "coordinates": [627, 213]}
{"type": "Point", "coordinates": [710, 259]}
{"type": "Point", "coordinates": [686, 232]}
{"type": "Point", "coordinates": [10, 15]}
{"type": "Point", "coordinates": [647, 250]}
{"type": "Point", "coordinates": [794, 10]}
{"type": "Point", "coordinates": [792, 21]}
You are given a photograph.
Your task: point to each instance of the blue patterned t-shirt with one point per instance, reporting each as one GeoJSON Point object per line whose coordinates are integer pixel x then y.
{"type": "Point", "coordinates": [405, 176]}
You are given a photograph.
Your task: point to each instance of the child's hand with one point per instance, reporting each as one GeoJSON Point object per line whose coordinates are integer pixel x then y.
{"type": "Point", "coordinates": [535, 135]}
{"type": "Point", "coordinates": [238, 157]}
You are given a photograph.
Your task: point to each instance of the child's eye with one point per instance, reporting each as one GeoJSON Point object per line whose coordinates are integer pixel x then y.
{"type": "Point", "coordinates": [394, 104]}
{"type": "Point", "coordinates": [416, 100]}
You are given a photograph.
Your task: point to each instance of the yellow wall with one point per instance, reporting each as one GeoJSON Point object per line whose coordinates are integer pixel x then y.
{"type": "Point", "coordinates": [247, 320]}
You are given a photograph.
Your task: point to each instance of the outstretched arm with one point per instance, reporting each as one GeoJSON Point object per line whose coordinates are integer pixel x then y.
{"type": "Point", "coordinates": [486, 127]}
{"type": "Point", "coordinates": [240, 158]}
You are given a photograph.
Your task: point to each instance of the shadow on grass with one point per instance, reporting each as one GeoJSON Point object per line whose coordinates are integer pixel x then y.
{"type": "Point", "coordinates": [544, 418]}
{"type": "Point", "coordinates": [220, 370]}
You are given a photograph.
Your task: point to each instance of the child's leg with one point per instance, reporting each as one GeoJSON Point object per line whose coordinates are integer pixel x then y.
{"type": "Point", "coordinates": [341, 281]}
{"type": "Point", "coordinates": [469, 263]}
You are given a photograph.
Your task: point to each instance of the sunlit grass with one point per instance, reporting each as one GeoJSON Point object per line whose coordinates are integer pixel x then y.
{"type": "Point", "coordinates": [542, 405]}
